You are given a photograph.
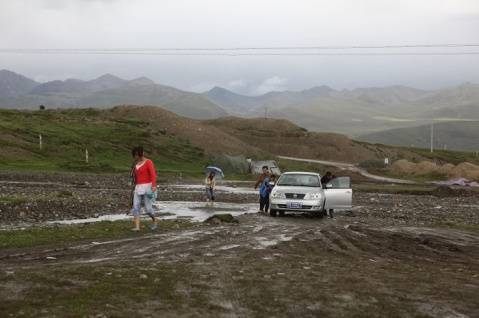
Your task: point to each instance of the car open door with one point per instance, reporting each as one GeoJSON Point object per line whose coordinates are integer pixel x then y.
{"type": "Point", "coordinates": [339, 194]}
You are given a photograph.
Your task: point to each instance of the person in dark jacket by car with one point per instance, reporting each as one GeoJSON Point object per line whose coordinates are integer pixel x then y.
{"type": "Point", "coordinates": [260, 181]}
{"type": "Point", "coordinates": [324, 181]}
{"type": "Point", "coordinates": [327, 178]}
{"type": "Point", "coordinates": [265, 191]}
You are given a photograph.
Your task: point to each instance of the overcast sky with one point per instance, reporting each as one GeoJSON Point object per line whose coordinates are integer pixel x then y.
{"type": "Point", "coordinates": [111, 24]}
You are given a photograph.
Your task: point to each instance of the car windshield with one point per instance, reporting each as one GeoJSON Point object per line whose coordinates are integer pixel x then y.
{"type": "Point", "coordinates": [299, 180]}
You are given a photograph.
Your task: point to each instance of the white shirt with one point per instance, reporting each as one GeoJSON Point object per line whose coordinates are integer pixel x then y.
{"type": "Point", "coordinates": [142, 189]}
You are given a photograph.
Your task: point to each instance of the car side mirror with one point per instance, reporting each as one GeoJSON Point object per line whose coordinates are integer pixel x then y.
{"type": "Point", "coordinates": [271, 183]}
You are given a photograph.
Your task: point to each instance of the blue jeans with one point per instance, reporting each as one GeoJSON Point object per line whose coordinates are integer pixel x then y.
{"type": "Point", "coordinates": [210, 193]}
{"type": "Point", "coordinates": [137, 205]}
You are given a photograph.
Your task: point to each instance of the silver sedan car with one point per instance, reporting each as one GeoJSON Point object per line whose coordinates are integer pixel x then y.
{"type": "Point", "coordinates": [303, 192]}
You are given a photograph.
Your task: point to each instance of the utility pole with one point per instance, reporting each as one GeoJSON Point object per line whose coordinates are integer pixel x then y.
{"type": "Point", "coordinates": [265, 112]}
{"type": "Point", "coordinates": [432, 136]}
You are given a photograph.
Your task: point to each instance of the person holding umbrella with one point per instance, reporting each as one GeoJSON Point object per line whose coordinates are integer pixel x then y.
{"type": "Point", "coordinates": [210, 187]}
{"type": "Point", "coordinates": [210, 181]}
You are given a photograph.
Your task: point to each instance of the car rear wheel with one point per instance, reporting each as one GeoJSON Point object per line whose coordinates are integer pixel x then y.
{"type": "Point", "coordinates": [272, 213]}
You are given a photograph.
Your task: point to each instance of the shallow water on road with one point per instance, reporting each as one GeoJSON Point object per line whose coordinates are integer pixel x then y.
{"type": "Point", "coordinates": [219, 188]}
{"type": "Point", "coordinates": [171, 210]}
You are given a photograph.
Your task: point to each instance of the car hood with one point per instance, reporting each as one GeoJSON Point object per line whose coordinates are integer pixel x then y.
{"type": "Point", "coordinates": [292, 189]}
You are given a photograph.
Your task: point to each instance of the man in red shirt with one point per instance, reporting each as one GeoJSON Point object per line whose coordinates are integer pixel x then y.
{"type": "Point", "coordinates": [144, 174]}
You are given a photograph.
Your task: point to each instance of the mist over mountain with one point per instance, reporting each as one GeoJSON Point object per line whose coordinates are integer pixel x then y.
{"type": "Point", "coordinates": [241, 104]}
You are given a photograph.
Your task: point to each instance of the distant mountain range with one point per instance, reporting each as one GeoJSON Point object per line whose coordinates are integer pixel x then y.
{"type": "Point", "coordinates": [252, 105]}
{"type": "Point", "coordinates": [17, 91]}
{"type": "Point", "coordinates": [357, 112]}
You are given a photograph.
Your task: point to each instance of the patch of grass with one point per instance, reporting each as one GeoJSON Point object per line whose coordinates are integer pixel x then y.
{"type": "Point", "coordinates": [12, 199]}
{"type": "Point", "coordinates": [71, 233]}
{"type": "Point", "coordinates": [64, 194]}
{"type": "Point", "coordinates": [446, 156]}
{"type": "Point", "coordinates": [293, 165]}
{"type": "Point", "coordinates": [460, 226]}
{"type": "Point", "coordinates": [66, 134]}
{"type": "Point", "coordinates": [121, 290]}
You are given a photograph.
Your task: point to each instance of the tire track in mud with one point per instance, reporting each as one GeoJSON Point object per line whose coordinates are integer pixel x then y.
{"type": "Point", "coordinates": [257, 233]}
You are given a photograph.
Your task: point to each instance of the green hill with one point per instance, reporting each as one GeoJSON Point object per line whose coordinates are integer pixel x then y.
{"type": "Point", "coordinates": [177, 144]}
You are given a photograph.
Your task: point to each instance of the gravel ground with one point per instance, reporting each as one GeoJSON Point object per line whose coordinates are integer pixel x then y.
{"type": "Point", "coordinates": [391, 256]}
{"type": "Point", "coordinates": [34, 198]}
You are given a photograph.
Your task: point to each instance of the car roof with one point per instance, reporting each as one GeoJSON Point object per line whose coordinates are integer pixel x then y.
{"type": "Point", "coordinates": [301, 172]}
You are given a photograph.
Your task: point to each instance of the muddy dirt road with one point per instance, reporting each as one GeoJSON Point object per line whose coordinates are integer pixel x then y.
{"type": "Point", "coordinates": [262, 266]}
{"type": "Point", "coordinates": [392, 256]}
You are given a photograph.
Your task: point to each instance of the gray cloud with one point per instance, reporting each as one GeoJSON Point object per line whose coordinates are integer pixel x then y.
{"type": "Point", "coordinates": [219, 23]}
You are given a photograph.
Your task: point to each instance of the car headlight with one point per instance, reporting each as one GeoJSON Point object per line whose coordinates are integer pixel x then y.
{"type": "Point", "coordinates": [278, 195]}
{"type": "Point", "coordinates": [313, 196]}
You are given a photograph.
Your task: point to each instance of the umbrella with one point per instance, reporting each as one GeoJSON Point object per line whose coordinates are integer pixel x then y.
{"type": "Point", "coordinates": [219, 173]}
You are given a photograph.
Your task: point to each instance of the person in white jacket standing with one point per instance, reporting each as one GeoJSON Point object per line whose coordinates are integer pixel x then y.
{"type": "Point", "coordinates": [210, 184]}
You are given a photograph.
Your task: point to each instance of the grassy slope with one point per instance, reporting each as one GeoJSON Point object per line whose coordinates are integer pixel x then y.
{"type": "Point", "coordinates": [54, 234]}
{"type": "Point", "coordinates": [177, 144]}
{"type": "Point", "coordinates": [66, 135]}
{"type": "Point", "coordinates": [455, 135]}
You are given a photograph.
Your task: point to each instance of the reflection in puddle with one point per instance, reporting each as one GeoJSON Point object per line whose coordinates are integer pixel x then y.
{"type": "Point", "coordinates": [171, 210]}
{"type": "Point", "coordinates": [219, 188]}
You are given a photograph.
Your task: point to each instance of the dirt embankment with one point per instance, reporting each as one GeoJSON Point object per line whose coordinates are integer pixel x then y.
{"type": "Point", "coordinates": [463, 170]}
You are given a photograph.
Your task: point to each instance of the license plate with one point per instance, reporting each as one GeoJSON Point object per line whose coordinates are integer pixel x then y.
{"type": "Point", "coordinates": [294, 205]}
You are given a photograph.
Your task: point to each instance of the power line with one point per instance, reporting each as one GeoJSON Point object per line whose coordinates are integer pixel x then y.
{"type": "Point", "coordinates": [259, 48]}
{"type": "Point", "coordinates": [252, 54]}
{"type": "Point", "coordinates": [344, 50]}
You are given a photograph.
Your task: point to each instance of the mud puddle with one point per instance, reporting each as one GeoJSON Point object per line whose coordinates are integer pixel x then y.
{"type": "Point", "coordinates": [171, 210]}
{"type": "Point", "coordinates": [219, 188]}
